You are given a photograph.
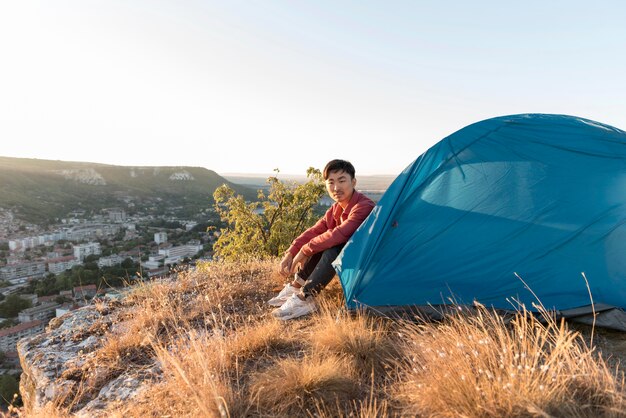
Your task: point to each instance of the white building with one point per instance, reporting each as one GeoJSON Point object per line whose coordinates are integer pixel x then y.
{"type": "Point", "coordinates": [63, 310]}
{"type": "Point", "coordinates": [42, 312]}
{"type": "Point", "coordinates": [60, 264]}
{"type": "Point", "coordinates": [110, 261]}
{"type": "Point", "coordinates": [160, 237]}
{"type": "Point", "coordinates": [31, 242]}
{"type": "Point", "coordinates": [83, 250]}
{"type": "Point", "coordinates": [117, 215]}
{"type": "Point", "coordinates": [154, 262]}
{"type": "Point", "coordinates": [10, 336]}
{"type": "Point", "coordinates": [175, 254]}
{"type": "Point", "coordinates": [22, 270]}
{"type": "Point", "coordinates": [91, 230]}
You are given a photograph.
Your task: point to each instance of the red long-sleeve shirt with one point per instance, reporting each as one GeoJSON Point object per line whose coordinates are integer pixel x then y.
{"type": "Point", "coordinates": [335, 227]}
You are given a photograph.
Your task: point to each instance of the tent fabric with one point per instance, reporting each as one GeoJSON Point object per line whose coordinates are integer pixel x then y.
{"type": "Point", "coordinates": [507, 211]}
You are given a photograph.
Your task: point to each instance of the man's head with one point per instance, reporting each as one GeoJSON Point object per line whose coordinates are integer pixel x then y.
{"type": "Point", "coordinates": [340, 180]}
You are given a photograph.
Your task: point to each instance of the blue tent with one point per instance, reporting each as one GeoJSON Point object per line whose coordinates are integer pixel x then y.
{"type": "Point", "coordinates": [538, 196]}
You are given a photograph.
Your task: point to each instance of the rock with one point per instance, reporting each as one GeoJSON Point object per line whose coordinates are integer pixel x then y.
{"type": "Point", "coordinates": [56, 365]}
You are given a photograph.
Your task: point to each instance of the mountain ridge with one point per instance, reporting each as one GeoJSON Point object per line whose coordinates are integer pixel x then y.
{"type": "Point", "coordinates": [42, 191]}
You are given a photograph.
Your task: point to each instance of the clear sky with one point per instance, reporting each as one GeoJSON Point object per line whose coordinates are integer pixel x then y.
{"type": "Point", "coordinates": [249, 86]}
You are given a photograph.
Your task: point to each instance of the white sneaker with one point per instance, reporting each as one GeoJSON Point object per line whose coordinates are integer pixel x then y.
{"type": "Point", "coordinates": [284, 294]}
{"type": "Point", "coordinates": [295, 307]}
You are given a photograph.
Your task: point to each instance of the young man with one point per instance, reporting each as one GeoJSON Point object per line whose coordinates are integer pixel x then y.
{"type": "Point", "coordinates": [312, 253]}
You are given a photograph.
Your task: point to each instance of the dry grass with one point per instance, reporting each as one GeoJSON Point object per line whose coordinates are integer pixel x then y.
{"type": "Point", "coordinates": [369, 408]}
{"type": "Point", "coordinates": [477, 365]}
{"type": "Point", "coordinates": [295, 385]}
{"type": "Point", "coordinates": [366, 342]}
{"type": "Point", "coordinates": [198, 373]}
{"type": "Point", "coordinates": [221, 354]}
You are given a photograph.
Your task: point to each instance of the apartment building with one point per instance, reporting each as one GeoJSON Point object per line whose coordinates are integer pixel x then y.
{"type": "Point", "coordinates": [91, 231]}
{"type": "Point", "coordinates": [83, 250]}
{"type": "Point", "coordinates": [153, 262]}
{"type": "Point", "coordinates": [117, 215]}
{"type": "Point", "coordinates": [33, 241]}
{"type": "Point", "coordinates": [180, 252]}
{"type": "Point", "coordinates": [110, 261]}
{"type": "Point", "coordinates": [60, 264]}
{"type": "Point", "coordinates": [160, 237]}
{"type": "Point", "coordinates": [23, 270]}
{"type": "Point", "coordinates": [10, 336]}
{"type": "Point", "coordinates": [43, 312]}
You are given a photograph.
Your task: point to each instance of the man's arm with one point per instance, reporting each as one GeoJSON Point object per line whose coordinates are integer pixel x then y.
{"type": "Point", "coordinates": [299, 260]}
{"type": "Point", "coordinates": [320, 227]}
{"type": "Point", "coordinates": [341, 233]}
{"type": "Point", "coordinates": [286, 264]}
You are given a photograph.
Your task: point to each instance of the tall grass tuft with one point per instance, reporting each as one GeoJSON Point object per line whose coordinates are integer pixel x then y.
{"type": "Point", "coordinates": [198, 372]}
{"type": "Point", "coordinates": [479, 365]}
{"type": "Point", "coordinates": [365, 341]}
{"type": "Point", "coordinates": [292, 386]}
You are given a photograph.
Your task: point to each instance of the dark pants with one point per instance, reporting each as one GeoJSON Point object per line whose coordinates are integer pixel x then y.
{"type": "Point", "coordinates": [318, 271]}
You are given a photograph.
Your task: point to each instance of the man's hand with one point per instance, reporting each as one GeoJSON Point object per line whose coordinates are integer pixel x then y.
{"type": "Point", "coordinates": [286, 264]}
{"type": "Point", "coordinates": [299, 259]}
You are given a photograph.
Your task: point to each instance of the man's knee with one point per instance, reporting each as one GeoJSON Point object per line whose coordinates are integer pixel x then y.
{"type": "Point", "coordinates": [329, 255]}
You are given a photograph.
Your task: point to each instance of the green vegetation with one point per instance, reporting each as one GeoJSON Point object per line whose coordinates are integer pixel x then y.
{"type": "Point", "coordinates": [12, 305]}
{"type": "Point", "coordinates": [9, 386]}
{"type": "Point", "coordinates": [11, 322]}
{"type": "Point", "coordinates": [88, 273]}
{"type": "Point", "coordinates": [266, 227]}
{"type": "Point", "coordinates": [164, 224]}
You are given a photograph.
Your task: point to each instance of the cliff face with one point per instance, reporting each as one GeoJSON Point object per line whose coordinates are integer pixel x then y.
{"type": "Point", "coordinates": [53, 364]}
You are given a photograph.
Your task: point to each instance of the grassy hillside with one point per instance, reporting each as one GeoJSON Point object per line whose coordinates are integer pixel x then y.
{"type": "Point", "coordinates": [222, 354]}
{"type": "Point", "coordinates": [41, 190]}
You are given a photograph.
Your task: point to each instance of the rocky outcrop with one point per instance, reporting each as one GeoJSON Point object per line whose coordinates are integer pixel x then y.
{"type": "Point", "coordinates": [182, 175]}
{"type": "Point", "coordinates": [59, 366]}
{"type": "Point", "coordinates": [86, 176]}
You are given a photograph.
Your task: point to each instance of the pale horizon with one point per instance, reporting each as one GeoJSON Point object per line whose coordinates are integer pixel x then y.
{"type": "Point", "coordinates": [240, 87]}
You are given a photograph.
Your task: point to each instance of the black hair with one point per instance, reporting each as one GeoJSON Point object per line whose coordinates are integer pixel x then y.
{"type": "Point", "coordinates": [338, 165]}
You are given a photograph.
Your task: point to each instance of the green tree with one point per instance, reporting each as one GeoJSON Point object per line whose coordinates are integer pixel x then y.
{"type": "Point", "coordinates": [9, 386]}
{"type": "Point", "coordinates": [265, 228]}
{"type": "Point", "coordinates": [12, 305]}
{"type": "Point", "coordinates": [9, 323]}
{"type": "Point", "coordinates": [46, 286]}
{"type": "Point", "coordinates": [128, 263]}
{"type": "Point", "coordinates": [62, 299]}
{"type": "Point", "coordinates": [91, 258]}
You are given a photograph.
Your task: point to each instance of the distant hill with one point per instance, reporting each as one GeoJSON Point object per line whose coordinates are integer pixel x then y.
{"type": "Point", "coordinates": [42, 190]}
{"type": "Point", "coordinates": [373, 186]}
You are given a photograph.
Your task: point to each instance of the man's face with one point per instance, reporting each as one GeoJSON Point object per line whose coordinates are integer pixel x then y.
{"type": "Point", "coordinates": [340, 186]}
